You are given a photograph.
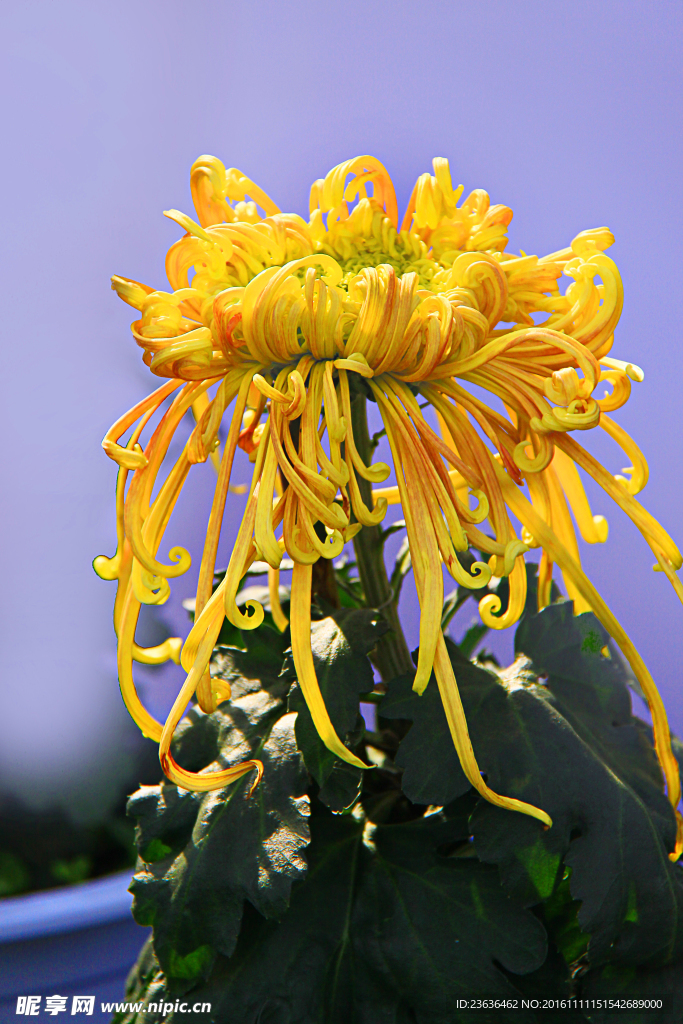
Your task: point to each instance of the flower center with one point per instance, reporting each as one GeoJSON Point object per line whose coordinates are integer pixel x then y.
{"type": "Point", "coordinates": [403, 259]}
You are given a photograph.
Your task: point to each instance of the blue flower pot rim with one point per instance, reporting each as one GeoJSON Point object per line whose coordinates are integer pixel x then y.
{"type": "Point", "coordinates": [68, 909]}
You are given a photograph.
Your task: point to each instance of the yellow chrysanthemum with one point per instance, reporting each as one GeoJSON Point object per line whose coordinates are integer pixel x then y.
{"type": "Point", "coordinates": [287, 320]}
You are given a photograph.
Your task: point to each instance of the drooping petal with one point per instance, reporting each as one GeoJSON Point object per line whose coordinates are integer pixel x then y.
{"type": "Point", "coordinates": [457, 723]}
{"type": "Point", "coordinates": [305, 669]}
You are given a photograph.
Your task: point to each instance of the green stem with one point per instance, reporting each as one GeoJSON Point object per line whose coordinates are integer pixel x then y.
{"type": "Point", "coordinates": [391, 657]}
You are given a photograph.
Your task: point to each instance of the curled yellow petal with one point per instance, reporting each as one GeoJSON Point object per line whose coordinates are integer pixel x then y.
{"type": "Point", "coordinates": [646, 523]}
{"type": "Point", "coordinates": [379, 471]}
{"type": "Point", "coordinates": [491, 604]}
{"type": "Point", "coordinates": [241, 553]}
{"type": "Point", "coordinates": [329, 192]}
{"type": "Point", "coordinates": [630, 369]}
{"type": "Point", "coordinates": [357, 363]}
{"type": "Point", "coordinates": [169, 650]}
{"type": "Point", "coordinates": [198, 781]}
{"type": "Point", "coordinates": [638, 472]}
{"type": "Point", "coordinates": [132, 292]}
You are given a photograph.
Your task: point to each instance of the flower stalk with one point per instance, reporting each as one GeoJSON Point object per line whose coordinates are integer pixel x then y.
{"type": "Point", "coordinates": [391, 656]}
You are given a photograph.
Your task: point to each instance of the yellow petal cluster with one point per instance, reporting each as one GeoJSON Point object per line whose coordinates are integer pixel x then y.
{"type": "Point", "coordinates": [275, 322]}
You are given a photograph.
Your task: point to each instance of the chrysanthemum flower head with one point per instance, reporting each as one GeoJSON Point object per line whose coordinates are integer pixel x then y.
{"type": "Point", "coordinates": [281, 325]}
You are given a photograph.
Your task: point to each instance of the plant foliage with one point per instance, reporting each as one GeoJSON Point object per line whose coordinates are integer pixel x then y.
{"type": "Point", "coordinates": [333, 895]}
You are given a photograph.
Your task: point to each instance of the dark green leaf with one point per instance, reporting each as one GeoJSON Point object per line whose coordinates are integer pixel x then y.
{"type": "Point", "coordinates": [561, 917]}
{"type": "Point", "coordinates": [592, 693]}
{"type": "Point", "coordinates": [631, 983]}
{"type": "Point", "coordinates": [572, 748]}
{"type": "Point", "coordinates": [432, 772]}
{"type": "Point", "coordinates": [208, 852]}
{"type": "Point", "coordinates": [256, 663]}
{"type": "Point", "coordinates": [145, 983]}
{"type": "Point", "coordinates": [435, 928]}
{"type": "Point", "coordinates": [551, 981]}
{"type": "Point", "coordinates": [383, 931]}
{"type": "Point", "coordinates": [340, 643]}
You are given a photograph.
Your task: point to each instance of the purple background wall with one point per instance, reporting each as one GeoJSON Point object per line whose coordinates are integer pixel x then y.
{"type": "Point", "coordinates": [568, 113]}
